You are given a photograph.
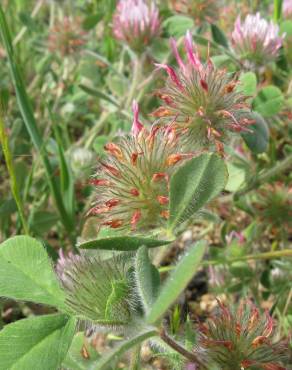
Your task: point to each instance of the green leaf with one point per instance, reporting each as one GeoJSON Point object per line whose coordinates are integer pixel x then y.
{"type": "Point", "coordinates": [269, 101]}
{"type": "Point", "coordinates": [27, 274]}
{"type": "Point", "coordinates": [286, 27]}
{"type": "Point", "coordinates": [91, 21]}
{"type": "Point", "coordinates": [177, 281]}
{"type": "Point", "coordinates": [36, 343]}
{"type": "Point", "coordinates": [147, 278]}
{"type": "Point", "coordinates": [194, 184]}
{"type": "Point", "coordinates": [178, 25]}
{"type": "Point", "coordinates": [248, 83]}
{"type": "Point", "coordinates": [122, 347]}
{"type": "Point", "coordinates": [122, 243]}
{"type": "Point", "coordinates": [74, 359]}
{"type": "Point", "coordinates": [219, 36]}
{"type": "Point", "coordinates": [258, 139]}
{"type": "Point", "coordinates": [236, 177]}
{"type": "Point", "coordinates": [42, 221]}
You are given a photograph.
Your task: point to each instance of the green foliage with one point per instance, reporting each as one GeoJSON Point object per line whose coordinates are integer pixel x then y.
{"type": "Point", "coordinates": [193, 185]}
{"type": "Point", "coordinates": [248, 83]}
{"type": "Point", "coordinates": [81, 355]}
{"type": "Point", "coordinates": [177, 25]}
{"type": "Point", "coordinates": [30, 122]}
{"type": "Point", "coordinates": [269, 101]}
{"type": "Point", "coordinates": [27, 273]}
{"type": "Point", "coordinates": [218, 36]}
{"type": "Point", "coordinates": [36, 343]}
{"type": "Point", "coordinates": [123, 347]}
{"type": "Point", "coordinates": [258, 139]}
{"type": "Point", "coordinates": [177, 281]}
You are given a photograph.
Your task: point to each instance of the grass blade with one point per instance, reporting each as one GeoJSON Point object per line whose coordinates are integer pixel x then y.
{"type": "Point", "coordinates": [10, 167]}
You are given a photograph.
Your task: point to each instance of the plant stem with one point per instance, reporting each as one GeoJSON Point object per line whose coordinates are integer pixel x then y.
{"type": "Point", "coordinates": [249, 257]}
{"type": "Point", "coordinates": [135, 80]}
{"type": "Point", "coordinates": [13, 181]}
{"type": "Point", "coordinates": [179, 348]}
{"type": "Point", "coordinates": [259, 256]}
{"type": "Point", "coordinates": [280, 167]}
{"type": "Point", "coordinates": [135, 358]}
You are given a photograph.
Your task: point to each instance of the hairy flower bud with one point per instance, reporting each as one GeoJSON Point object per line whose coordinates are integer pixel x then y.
{"type": "Point", "coordinates": [199, 10]}
{"type": "Point", "coordinates": [133, 182]}
{"type": "Point", "coordinates": [256, 40]}
{"type": "Point", "coordinates": [202, 101]}
{"type": "Point", "coordinates": [240, 338]}
{"type": "Point", "coordinates": [66, 37]}
{"type": "Point", "coordinates": [98, 291]}
{"type": "Point", "coordinates": [136, 22]}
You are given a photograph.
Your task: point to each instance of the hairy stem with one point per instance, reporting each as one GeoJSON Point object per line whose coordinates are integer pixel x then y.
{"type": "Point", "coordinates": [179, 348]}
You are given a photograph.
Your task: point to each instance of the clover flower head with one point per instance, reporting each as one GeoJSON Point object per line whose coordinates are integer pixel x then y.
{"type": "Point", "coordinates": [136, 22]}
{"type": "Point", "coordinates": [97, 291]}
{"type": "Point", "coordinates": [66, 36]}
{"type": "Point", "coordinates": [81, 159]}
{"type": "Point", "coordinates": [240, 338]}
{"type": "Point", "coordinates": [287, 8]}
{"type": "Point", "coordinates": [199, 10]}
{"type": "Point", "coordinates": [256, 40]}
{"type": "Point", "coordinates": [202, 101]}
{"type": "Point", "coordinates": [133, 182]}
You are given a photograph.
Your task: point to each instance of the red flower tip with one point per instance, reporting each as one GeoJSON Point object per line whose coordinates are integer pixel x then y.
{"type": "Point", "coordinates": [114, 149]}
{"type": "Point", "coordinates": [204, 85]}
{"type": "Point", "coordinates": [159, 176]}
{"type": "Point", "coordinates": [111, 169]}
{"type": "Point", "coordinates": [137, 125]}
{"type": "Point", "coordinates": [135, 219]}
{"type": "Point", "coordinates": [99, 182]}
{"type": "Point", "coordinates": [112, 202]}
{"type": "Point", "coordinates": [135, 192]}
{"type": "Point", "coordinates": [162, 199]}
{"type": "Point", "coordinates": [165, 214]}
{"type": "Point", "coordinates": [114, 224]}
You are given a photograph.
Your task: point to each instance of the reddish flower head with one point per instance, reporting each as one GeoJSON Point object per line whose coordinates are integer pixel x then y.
{"type": "Point", "coordinates": [133, 181]}
{"type": "Point", "coordinates": [202, 101]}
{"type": "Point", "coordinates": [256, 40]}
{"type": "Point", "coordinates": [287, 8]}
{"type": "Point", "coordinates": [240, 338]}
{"type": "Point", "coordinates": [199, 10]}
{"type": "Point", "coordinates": [136, 22]}
{"type": "Point", "coordinates": [67, 36]}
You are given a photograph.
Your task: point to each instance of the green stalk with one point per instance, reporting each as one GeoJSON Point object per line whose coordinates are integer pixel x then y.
{"type": "Point", "coordinates": [278, 10]}
{"type": "Point", "coordinates": [249, 257]}
{"type": "Point", "coordinates": [122, 347]}
{"type": "Point", "coordinates": [10, 167]}
{"type": "Point", "coordinates": [265, 176]}
{"type": "Point", "coordinates": [30, 123]}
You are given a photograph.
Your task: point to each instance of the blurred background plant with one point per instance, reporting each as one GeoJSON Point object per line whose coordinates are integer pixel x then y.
{"type": "Point", "coordinates": [82, 64]}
